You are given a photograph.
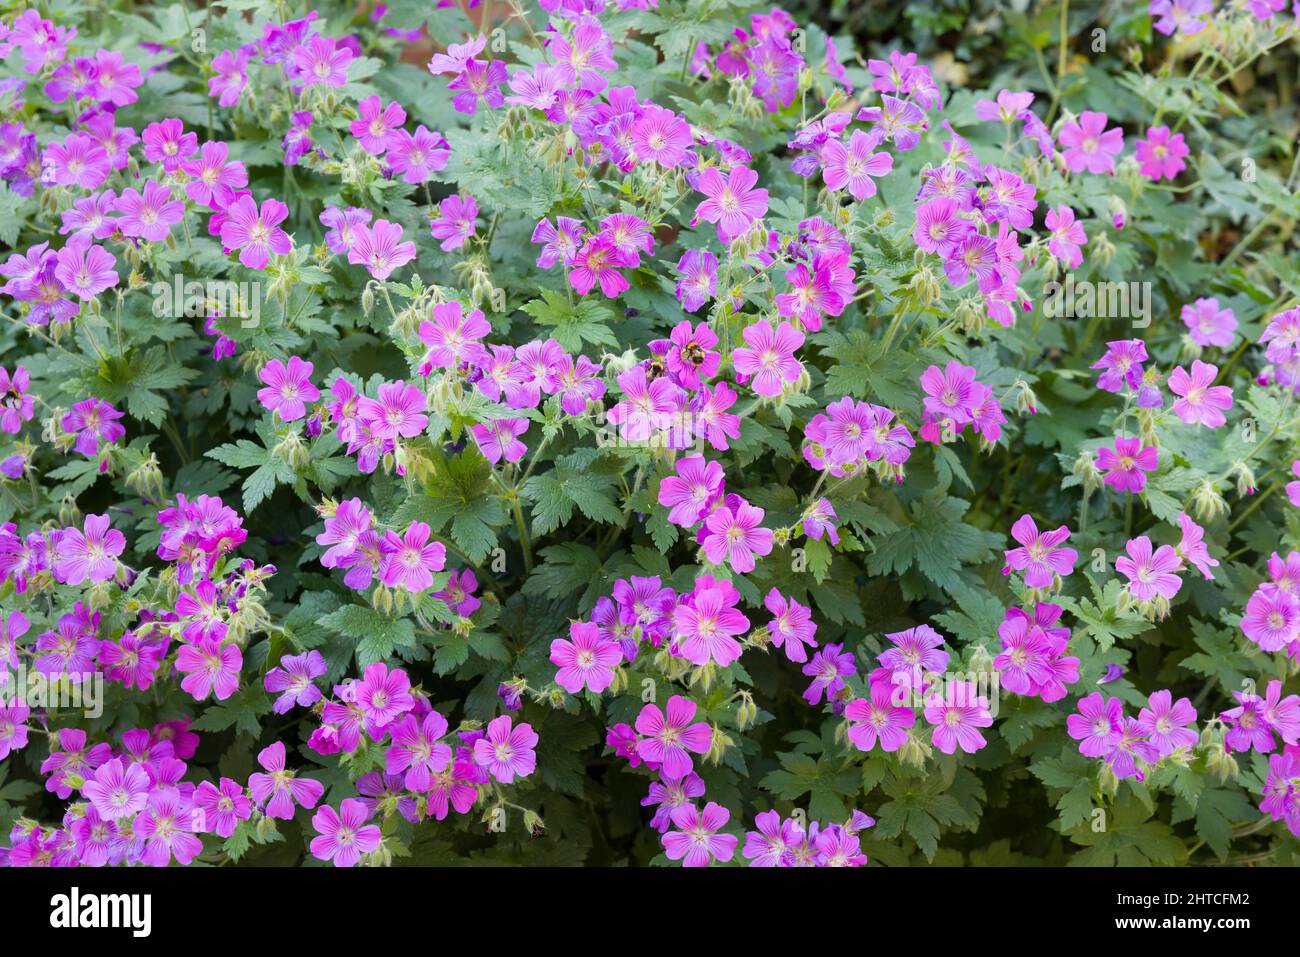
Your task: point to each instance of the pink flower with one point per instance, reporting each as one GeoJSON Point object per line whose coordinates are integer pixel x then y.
{"type": "Point", "coordinates": [505, 751]}
{"type": "Point", "coordinates": [456, 223]}
{"type": "Point", "coordinates": [661, 136]}
{"type": "Point", "coordinates": [383, 695]}
{"type": "Point", "coordinates": [1127, 463]}
{"type": "Point", "coordinates": [1098, 726]}
{"type": "Point", "coordinates": [1208, 325]}
{"type": "Point", "coordinates": [952, 393]}
{"type": "Point", "coordinates": [855, 166]}
{"type": "Point", "coordinates": [149, 216]}
{"type": "Point", "coordinates": [417, 752]}
{"type": "Point", "coordinates": [410, 560]}
{"type": "Point", "coordinates": [734, 535]}
{"type": "Point", "coordinates": [293, 679]}
{"type": "Point", "coordinates": [706, 623]}
{"type": "Point", "coordinates": [1201, 403]}
{"type": "Point", "coordinates": [957, 714]}
{"type": "Point", "coordinates": [344, 836]}
{"type": "Point", "coordinates": [1293, 488]}
{"type": "Point", "coordinates": [599, 261]}
{"type": "Point", "coordinates": [85, 269]}
{"type": "Point", "coordinates": [380, 248]}
{"type": "Point", "coordinates": [669, 740]}
{"type": "Point", "coordinates": [1150, 573]}
{"type": "Point", "coordinates": [210, 666]}
{"type": "Point", "coordinates": [768, 356]}
{"type": "Point", "coordinates": [220, 808]}
{"type": "Point", "coordinates": [88, 556]}
{"type": "Point", "coordinates": [398, 411]}
{"type": "Point", "coordinates": [321, 60]}
{"type": "Point", "coordinates": [500, 440]}
{"type": "Point", "coordinates": [732, 203]}
{"type": "Point", "coordinates": [1066, 236]}
{"type": "Point", "coordinates": [288, 389]}
{"type": "Point", "coordinates": [119, 789]}
{"type": "Point", "coordinates": [1192, 547]}
{"type": "Point", "coordinates": [585, 660]}
{"type": "Point", "coordinates": [375, 124]}
{"type": "Point", "coordinates": [212, 179]}
{"type": "Point", "coordinates": [792, 628]}
{"type": "Point", "coordinates": [1040, 556]}
{"type": "Point", "coordinates": [1121, 365]}
{"type": "Point", "coordinates": [1165, 723]}
{"type": "Point", "coordinates": [1272, 618]}
{"type": "Point", "coordinates": [1161, 154]}
{"type": "Point", "coordinates": [648, 406]}
{"type": "Point", "coordinates": [166, 827]}
{"type": "Point", "coordinates": [278, 789]}
{"type": "Point", "coordinates": [417, 156]}
{"type": "Point", "coordinates": [1089, 146]}
{"type": "Point", "coordinates": [879, 718]}
{"type": "Point", "coordinates": [255, 233]}
{"type": "Point", "coordinates": [689, 493]}
{"type": "Point", "coordinates": [453, 337]}
{"type": "Point", "coordinates": [696, 842]}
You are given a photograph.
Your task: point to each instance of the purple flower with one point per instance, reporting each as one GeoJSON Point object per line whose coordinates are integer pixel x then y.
{"type": "Point", "coordinates": [456, 222]}
{"type": "Point", "coordinates": [84, 268]}
{"type": "Point", "coordinates": [288, 389]}
{"type": "Point", "coordinates": [696, 842]}
{"type": "Point", "coordinates": [344, 835]}
{"type": "Point", "coordinates": [410, 560]}
{"type": "Point", "coordinates": [506, 750]}
{"type": "Point", "coordinates": [89, 555]}
{"type": "Point", "coordinates": [256, 233]}
{"type": "Point", "coordinates": [1040, 555]}
{"type": "Point", "coordinates": [293, 679]}
{"type": "Point", "coordinates": [1088, 145]}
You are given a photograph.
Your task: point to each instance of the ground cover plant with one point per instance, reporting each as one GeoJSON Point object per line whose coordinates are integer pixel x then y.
{"type": "Point", "coordinates": [631, 432]}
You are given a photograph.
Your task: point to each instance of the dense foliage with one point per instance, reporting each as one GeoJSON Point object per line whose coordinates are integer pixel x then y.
{"type": "Point", "coordinates": [649, 431]}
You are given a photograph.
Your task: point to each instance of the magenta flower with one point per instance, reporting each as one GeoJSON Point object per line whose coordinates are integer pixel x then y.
{"type": "Point", "coordinates": [383, 695]}
{"type": "Point", "coordinates": [344, 836]}
{"type": "Point", "coordinates": [376, 123]}
{"type": "Point", "coordinates": [1150, 573]}
{"type": "Point", "coordinates": [417, 156]}
{"type": "Point", "coordinates": [410, 560]}
{"type": "Point", "coordinates": [940, 227]}
{"type": "Point", "coordinates": [855, 165]}
{"type": "Point", "coordinates": [698, 282]}
{"type": "Point", "coordinates": [456, 223]}
{"type": "Point", "coordinates": [13, 728]}
{"type": "Point", "coordinates": [1065, 236]}
{"type": "Point", "coordinates": [321, 60]}
{"type": "Point", "coordinates": [1088, 145]}
{"type": "Point", "coordinates": [230, 69]}
{"type": "Point", "coordinates": [1208, 325]}
{"type": "Point", "coordinates": [1182, 16]}
{"type": "Point", "coordinates": [1272, 618]}
{"type": "Point", "coordinates": [919, 647]}
{"type": "Point", "coordinates": [167, 143]}
{"type": "Point", "coordinates": [792, 627]}
{"type": "Point", "coordinates": [209, 666]}
{"type": "Point", "coordinates": [77, 161]}
{"type": "Point", "coordinates": [459, 593]}
{"type": "Point", "coordinates": [220, 807]}
{"type": "Point", "coordinates": [343, 530]}
{"type": "Point", "coordinates": [119, 789]}
{"type": "Point", "coordinates": [599, 262]}
{"type": "Point", "coordinates": [668, 741]}
{"type": "Point", "coordinates": [505, 751]}
{"type": "Point", "coordinates": [1293, 488]}
{"type": "Point", "coordinates": [1161, 154]}
{"type": "Point", "coordinates": [585, 660]}
{"type": "Point", "coordinates": [829, 666]}
{"type": "Point", "coordinates": [1098, 726]}
{"type": "Point", "coordinates": [648, 406]}
{"type": "Point", "coordinates": [416, 751]}
{"type": "Point", "coordinates": [380, 248]}
{"type": "Point", "coordinates": [957, 713]}
{"type": "Point", "coordinates": [85, 269]}
{"type": "Point", "coordinates": [288, 389]}
{"type": "Point", "coordinates": [1192, 548]}
{"type": "Point", "coordinates": [500, 440]}
{"type": "Point", "coordinates": [560, 241]}
{"type": "Point", "coordinates": [1166, 723]}
{"type": "Point", "coordinates": [1200, 402]}
{"type": "Point", "coordinates": [1127, 463]}
{"type": "Point", "coordinates": [661, 136]}
{"type": "Point", "coordinates": [256, 233]}
{"type": "Point", "coordinates": [293, 679]}
{"type": "Point", "coordinates": [212, 178]}
{"type": "Point", "coordinates": [952, 393]}
{"type": "Point", "coordinates": [734, 534]}
{"type": "Point", "coordinates": [279, 789]}
{"type": "Point", "coordinates": [166, 827]}
{"type": "Point", "coordinates": [89, 554]}
{"type": "Point", "coordinates": [690, 493]}
{"type": "Point", "coordinates": [399, 411]}
{"type": "Point", "coordinates": [149, 216]}
{"type": "Point", "coordinates": [453, 337]}
{"type": "Point", "coordinates": [768, 357]}
{"type": "Point", "coordinates": [733, 203]}
{"type": "Point", "coordinates": [1040, 555]}
{"type": "Point", "coordinates": [1121, 365]}
{"type": "Point", "coordinates": [705, 624]}
{"type": "Point", "coordinates": [696, 842]}
{"type": "Point", "coordinates": [478, 80]}
{"type": "Point", "coordinates": [879, 718]}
